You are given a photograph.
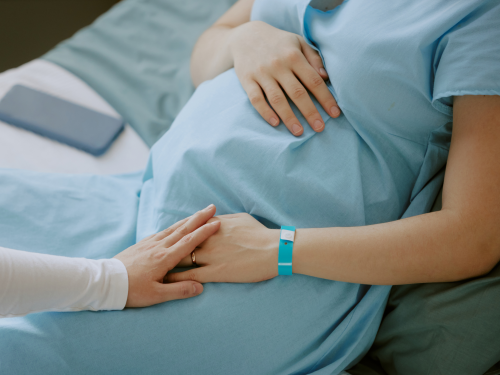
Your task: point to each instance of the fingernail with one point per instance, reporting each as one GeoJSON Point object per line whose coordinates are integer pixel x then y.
{"type": "Point", "coordinates": [274, 121]}
{"type": "Point", "coordinates": [335, 111]}
{"type": "Point", "coordinates": [323, 72]}
{"type": "Point", "coordinates": [296, 128]}
{"type": "Point", "coordinates": [318, 125]}
{"type": "Point", "coordinates": [194, 289]}
{"type": "Point", "coordinates": [209, 207]}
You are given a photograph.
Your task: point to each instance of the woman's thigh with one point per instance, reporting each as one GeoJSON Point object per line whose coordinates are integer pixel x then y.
{"type": "Point", "coordinates": [286, 325]}
{"type": "Point", "coordinates": [75, 215]}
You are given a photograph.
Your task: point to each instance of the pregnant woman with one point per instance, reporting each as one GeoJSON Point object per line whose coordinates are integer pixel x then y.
{"type": "Point", "coordinates": [403, 75]}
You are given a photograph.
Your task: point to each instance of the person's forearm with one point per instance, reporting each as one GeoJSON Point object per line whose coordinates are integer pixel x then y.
{"type": "Point", "coordinates": [435, 247]}
{"type": "Point", "coordinates": [211, 54]}
{"type": "Point", "coordinates": [31, 282]}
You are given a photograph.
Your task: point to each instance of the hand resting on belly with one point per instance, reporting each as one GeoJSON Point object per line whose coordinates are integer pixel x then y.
{"type": "Point", "coordinates": [269, 63]}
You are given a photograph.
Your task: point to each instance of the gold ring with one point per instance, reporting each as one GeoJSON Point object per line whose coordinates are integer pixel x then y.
{"type": "Point", "coordinates": [193, 258]}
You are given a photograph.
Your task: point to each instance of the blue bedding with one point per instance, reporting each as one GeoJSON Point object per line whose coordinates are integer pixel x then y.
{"type": "Point", "coordinates": [136, 56]}
{"type": "Point", "coordinates": [383, 159]}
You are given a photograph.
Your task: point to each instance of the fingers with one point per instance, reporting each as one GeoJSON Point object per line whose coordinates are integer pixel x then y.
{"type": "Point", "coordinates": [302, 100]}
{"type": "Point", "coordinates": [318, 88]}
{"type": "Point", "coordinates": [278, 101]}
{"type": "Point", "coordinates": [180, 290]}
{"type": "Point", "coordinates": [185, 262]}
{"type": "Point", "coordinates": [293, 82]}
{"type": "Point", "coordinates": [313, 58]}
{"type": "Point", "coordinates": [190, 241]}
{"type": "Point", "coordinates": [259, 102]}
{"type": "Point", "coordinates": [311, 80]}
{"type": "Point", "coordinates": [186, 226]}
{"type": "Point", "coordinates": [201, 275]}
{"type": "Point", "coordinates": [294, 71]}
{"type": "Point", "coordinates": [167, 232]}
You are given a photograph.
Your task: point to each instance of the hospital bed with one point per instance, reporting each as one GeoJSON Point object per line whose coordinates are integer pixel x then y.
{"type": "Point", "coordinates": [25, 150]}
{"type": "Point", "coordinates": [147, 89]}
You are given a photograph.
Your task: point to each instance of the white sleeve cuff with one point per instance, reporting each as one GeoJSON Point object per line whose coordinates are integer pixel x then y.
{"type": "Point", "coordinates": [116, 295]}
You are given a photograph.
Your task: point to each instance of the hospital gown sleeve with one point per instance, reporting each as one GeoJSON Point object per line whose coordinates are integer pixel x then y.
{"type": "Point", "coordinates": [467, 57]}
{"type": "Point", "coordinates": [32, 282]}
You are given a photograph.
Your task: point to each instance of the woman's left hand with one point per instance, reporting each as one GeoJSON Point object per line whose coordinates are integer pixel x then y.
{"type": "Point", "coordinates": [242, 251]}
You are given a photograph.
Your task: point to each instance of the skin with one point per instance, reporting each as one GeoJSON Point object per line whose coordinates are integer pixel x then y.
{"type": "Point", "coordinates": [458, 242]}
{"type": "Point", "coordinates": [284, 64]}
{"type": "Point", "coordinates": [149, 260]}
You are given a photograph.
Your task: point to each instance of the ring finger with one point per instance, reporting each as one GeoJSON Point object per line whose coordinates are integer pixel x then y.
{"type": "Point", "coordinates": [188, 261]}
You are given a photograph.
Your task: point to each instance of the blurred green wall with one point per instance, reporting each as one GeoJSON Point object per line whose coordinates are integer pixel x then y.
{"type": "Point", "coordinates": [29, 28]}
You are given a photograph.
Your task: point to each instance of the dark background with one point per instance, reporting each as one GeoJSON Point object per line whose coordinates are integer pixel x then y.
{"type": "Point", "coordinates": [29, 28]}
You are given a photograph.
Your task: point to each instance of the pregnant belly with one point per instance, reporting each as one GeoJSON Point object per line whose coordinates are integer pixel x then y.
{"type": "Point", "coordinates": [219, 150]}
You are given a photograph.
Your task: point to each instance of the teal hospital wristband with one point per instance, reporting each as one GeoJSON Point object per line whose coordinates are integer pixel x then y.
{"type": "Point", "coordinates": [285, 255]}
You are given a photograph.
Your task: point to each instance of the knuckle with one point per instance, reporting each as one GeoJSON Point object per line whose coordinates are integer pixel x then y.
{"type": "Point", "coordinates": [160, 255]}
{"type": "Point", "coordinates": [316, 81]}
{"type": "Point", "coordinates": [167, 232]}
{"type": "Point", "coordinates": [310, 114]}
{"type": "Point", "coordinates": [191, 275]}
{"type": "Point", "coordinates": [187, 238]}
{"type": "Point", "coordinates": [184, 290]}
{"type": "Point", "coordinates": [298, 92]}
{"type": "Point", "coordinates": [275, 63]}
{"type": "Point", "coordinates": [275, 98]}
{"type": "Point", "coordinates": [261, 69]}
{"type": "Point", "coordinates": [255, 99]}
{"type": "Point", "coordinates": [293, 55]}
{"type": "Point", "coordinates": [183, 230]}
{"type": "Point", "coordinates": [150, 247]}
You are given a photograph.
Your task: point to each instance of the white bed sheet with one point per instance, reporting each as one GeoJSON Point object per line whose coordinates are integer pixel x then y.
{"type": "Point", "coordinates": [25, 150]}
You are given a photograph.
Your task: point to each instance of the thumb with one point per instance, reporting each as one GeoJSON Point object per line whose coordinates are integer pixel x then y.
{"type": "Point", "coordinates": [313, 57]}
{"type": "Point", "coordinates": [180, 290]}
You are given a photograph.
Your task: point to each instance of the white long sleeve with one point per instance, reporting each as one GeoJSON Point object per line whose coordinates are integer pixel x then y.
{"type": "Point", "coordinates": [31, 282]}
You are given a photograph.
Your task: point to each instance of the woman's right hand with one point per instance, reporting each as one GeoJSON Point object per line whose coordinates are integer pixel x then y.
{"type": "Point", "coordinates": [271, 61]}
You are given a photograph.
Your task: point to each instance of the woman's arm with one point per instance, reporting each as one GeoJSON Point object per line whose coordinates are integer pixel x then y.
{"type": "Point", "coordinates": [460, 241]}
{"type": "Point", "coordinates": [211, 54]}
{"type": "Point", "coordinates": [269, 62]}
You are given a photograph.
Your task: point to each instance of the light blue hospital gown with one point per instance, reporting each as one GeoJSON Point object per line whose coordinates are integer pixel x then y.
{"type": "Point", "coordinates": [394, 67]}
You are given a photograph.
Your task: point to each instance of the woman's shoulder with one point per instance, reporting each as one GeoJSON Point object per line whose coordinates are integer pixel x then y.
{"type": "Point", "coordinates": [467, 55]}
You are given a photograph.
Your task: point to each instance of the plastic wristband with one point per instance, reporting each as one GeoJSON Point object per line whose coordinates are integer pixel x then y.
{"type": "Point", "coordinates": [285, 255]}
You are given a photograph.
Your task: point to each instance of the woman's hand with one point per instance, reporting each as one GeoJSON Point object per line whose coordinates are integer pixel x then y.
{"type": "Point", "coordinates": [242, 251]}
{"type": "Point", "coordinates": [269, 61]}
{"type": "Point", "coordinates": [149, 260]}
